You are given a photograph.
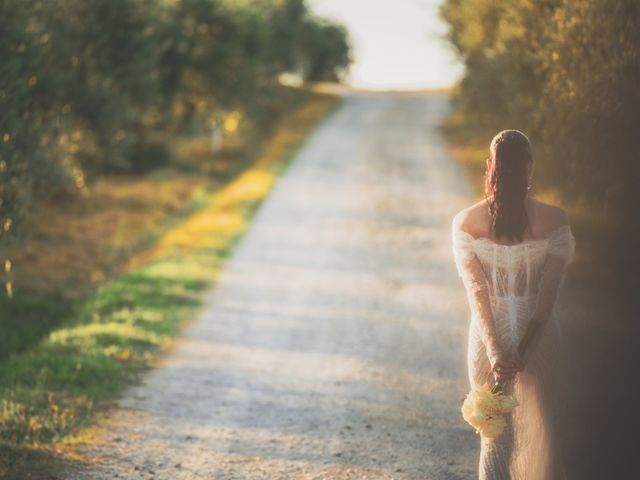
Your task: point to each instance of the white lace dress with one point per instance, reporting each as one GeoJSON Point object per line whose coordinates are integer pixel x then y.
{"type": "Point", "coordinates": [506, 285]}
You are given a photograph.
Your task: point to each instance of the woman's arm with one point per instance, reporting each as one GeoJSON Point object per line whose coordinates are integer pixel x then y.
{"type": "Point", "coordinates": [478, 294]}
{"type": "Point", "coordinates": [561, 252]}
{"type": "Point", "coordinates": [476, 285]}
{"type": "Point", "coordinates": [503, 364]}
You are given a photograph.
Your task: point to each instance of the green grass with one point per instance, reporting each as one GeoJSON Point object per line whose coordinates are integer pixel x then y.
{"type": "Point", "coordinates": [27, 319]}
{"type": "Point", "coordinates": [49, 390]}
{"type": "Point", "coordinates": [63, 360]}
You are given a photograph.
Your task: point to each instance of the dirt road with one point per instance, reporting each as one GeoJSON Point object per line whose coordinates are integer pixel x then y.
{"type": "Point", "coordinates": [334, 344]}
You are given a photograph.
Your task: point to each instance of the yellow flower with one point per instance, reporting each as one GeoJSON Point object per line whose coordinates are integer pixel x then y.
{"type": "Point", "coordinates": [485, 411]}
{"type": "Point", "coordinates": [507, 403]}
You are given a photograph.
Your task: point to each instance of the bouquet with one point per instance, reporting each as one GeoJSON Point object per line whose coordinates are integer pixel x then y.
{"type": "Point", "coordinates": [484, 408]}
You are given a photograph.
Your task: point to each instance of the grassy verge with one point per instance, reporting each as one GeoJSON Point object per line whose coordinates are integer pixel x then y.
{"type": "Point", "coordinates": [67, 258]}
{"type": "Point", "coordinates": [71, 244]}
{"type": "Point", "coordinates": [104, 341]}
{"type": "Point", "coordinates": [469, 144]}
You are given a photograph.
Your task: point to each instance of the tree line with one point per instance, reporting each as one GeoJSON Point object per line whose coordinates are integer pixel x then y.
{"type": "Point", "coordinates": [85, 86]}
{"type": "Point", "coordinates": [568, 73]}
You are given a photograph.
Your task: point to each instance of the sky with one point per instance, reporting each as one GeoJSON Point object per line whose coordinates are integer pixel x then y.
{"type": "Point", "coordinates": [397, 44]}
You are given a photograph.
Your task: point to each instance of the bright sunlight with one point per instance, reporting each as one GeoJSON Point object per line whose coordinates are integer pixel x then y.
{"type": "Point", "coordinates": [396, 44]}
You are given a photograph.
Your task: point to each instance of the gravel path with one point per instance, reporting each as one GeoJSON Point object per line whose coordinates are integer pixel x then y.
{"type": "Point", "coordinates": [334, 344]}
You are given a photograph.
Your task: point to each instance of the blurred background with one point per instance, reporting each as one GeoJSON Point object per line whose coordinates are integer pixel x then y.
{"type": "Point", "coordinates": [395, 45]}
{"type": "Point", "coordinates": [122, 119]}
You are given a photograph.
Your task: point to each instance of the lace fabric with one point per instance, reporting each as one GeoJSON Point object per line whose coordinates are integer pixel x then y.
{"type": "Point", "coordinates": [506, 286]}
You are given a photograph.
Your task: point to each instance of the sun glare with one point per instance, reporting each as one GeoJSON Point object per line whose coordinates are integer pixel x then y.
{"type": "Point", "coordinates": [396, 44]}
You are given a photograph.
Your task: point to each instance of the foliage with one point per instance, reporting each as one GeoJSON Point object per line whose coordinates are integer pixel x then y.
{"type": "Point", "coordinates": [566, 72]}
{"type": "Point", "coordinates": [328, 51]}
{"type": "Point", "coordinates": [82, 354]}
{"type": "Point", "coordinates": [94, 87]}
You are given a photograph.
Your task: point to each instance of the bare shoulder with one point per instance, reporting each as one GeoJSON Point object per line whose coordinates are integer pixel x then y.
{"type": "Point", "coordinates": [548, 217]}
{"type": "Point", "coordinates": [472, 218]}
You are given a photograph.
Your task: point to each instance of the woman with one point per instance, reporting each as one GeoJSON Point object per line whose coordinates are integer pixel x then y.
{"type": "Point", "coordinates": [511, 252]}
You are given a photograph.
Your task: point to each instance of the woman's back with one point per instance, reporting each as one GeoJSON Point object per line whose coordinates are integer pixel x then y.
{"type": "Point", "coordinates": [508, 286]}
{"type": "Point", "coordinates": [511, 252]}
{"type": "Point", "coordinates": [515, 282]}
{"type": "Point", "coordinates": [513, 270]}
{"type": "Point", "coordinates": [543, 220]}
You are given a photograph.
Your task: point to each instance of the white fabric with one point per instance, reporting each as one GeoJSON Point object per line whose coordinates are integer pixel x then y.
{"type": "Point", "coordinates": [506, 285]}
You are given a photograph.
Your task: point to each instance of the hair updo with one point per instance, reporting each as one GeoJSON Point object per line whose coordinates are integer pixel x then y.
{"type": "Point", "coordinates": [506, 184]}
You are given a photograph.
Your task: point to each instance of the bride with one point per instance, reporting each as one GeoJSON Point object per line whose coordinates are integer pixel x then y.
{"type": "Point", "coordinates": [511, 252]}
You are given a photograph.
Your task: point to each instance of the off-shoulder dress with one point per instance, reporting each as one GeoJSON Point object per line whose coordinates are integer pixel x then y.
{"type": "Point", "coordinates": [506, 285]}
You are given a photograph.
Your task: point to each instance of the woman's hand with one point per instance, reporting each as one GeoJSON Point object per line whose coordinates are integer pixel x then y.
{"type": "Point", "coordinates": [505, 366]}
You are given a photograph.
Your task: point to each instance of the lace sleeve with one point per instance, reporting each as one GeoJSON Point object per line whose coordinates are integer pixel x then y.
{"type": "Point", "coordinates": [561, 252]}
{"type": "Point", "coordinates": [562, 243]}
{"type": "Point", "coordinates": [478, 292]}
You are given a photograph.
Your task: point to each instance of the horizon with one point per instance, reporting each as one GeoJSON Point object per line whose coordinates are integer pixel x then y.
{"type": "Point", "coordinates": [396, 46]}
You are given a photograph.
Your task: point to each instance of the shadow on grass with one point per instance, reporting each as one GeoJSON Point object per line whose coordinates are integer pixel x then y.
{"type": "Point", "coordinates": [25, 320]}
{"type": "Point", "coordinates": [20, 463]}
